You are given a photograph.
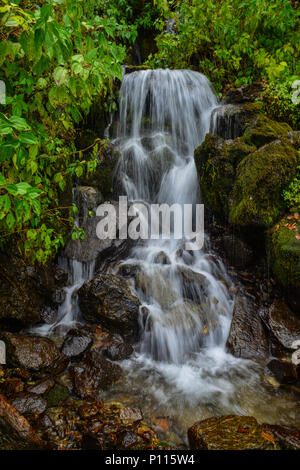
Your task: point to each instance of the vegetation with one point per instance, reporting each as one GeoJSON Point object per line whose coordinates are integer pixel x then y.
{"type": "Point", "coordinates": [55, 57]}
{"type": "Point", "coordinates": [58, 56]}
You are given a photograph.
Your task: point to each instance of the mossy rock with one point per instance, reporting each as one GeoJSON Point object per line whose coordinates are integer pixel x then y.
{"type": "Point", "coordinates": [285, 258]}
{"type": "Point", "coordinates": [57, 395]}
{"type": "Point", "coordinates": [231, 433]}
{"type": "Point", "coordinates": [216, 161]}
{"type": "Point", "coordinates": [261, 177]}
{"type": "Point", "coordinates": [263, 130]}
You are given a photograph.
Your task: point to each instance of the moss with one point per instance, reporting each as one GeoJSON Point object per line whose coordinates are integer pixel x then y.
{"type": "Point", "coordinates": [285, 253]}
{"type": "Point", "coordinates": [216, 161]}
{"type": "Point", "coordinates": [261, 177]}
{"type": "Point", "coordinates": [263, 130]}
{"type": "Point", "coordinates": [57, 394]}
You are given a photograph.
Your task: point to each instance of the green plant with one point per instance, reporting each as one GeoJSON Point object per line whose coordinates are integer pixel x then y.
{"type": "Point", "coordinates": [292, 193]}
{"type": "Point", "coordinates": [55, 57]}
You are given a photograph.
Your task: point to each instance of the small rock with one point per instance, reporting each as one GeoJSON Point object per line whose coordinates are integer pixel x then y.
{"type": "Point", "coordinates": [30, 403]}
{"type": "Point", "coordinates": [41, 387]}
{"type": "Point", "coordinates": [76, 343]}
{"type": "Point", "coordinates": [130, 415]}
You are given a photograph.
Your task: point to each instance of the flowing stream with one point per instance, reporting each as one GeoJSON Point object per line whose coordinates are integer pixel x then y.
{"type": "Point", "coordinates": [180, 371]}
{"type": "Point", "coordinates": [180, 368]}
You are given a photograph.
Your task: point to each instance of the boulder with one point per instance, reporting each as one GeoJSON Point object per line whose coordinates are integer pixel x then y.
{"type": "Point", "coordinates": [25, 290]}
{"type": "Point", "coordinates": [41, 387]}
{"type": "Point", "coordinates": [263, 130]}
{"type": "Point", "coordinates": [216, 161]}
{"type": "Point", "coordinates": [247, 337]}
{"type": "Point", "coordinates": [231, 433]}
{"type": "Point", "coordinates": [283, 324]}
{"type": "Point", "coordinates": [107, 300]}
{"type": "Point", "coordinates": [157, 287]}
{"type": "Point", "coordinates": [33, 353]}
{"type": "Point", "coordinates": [93, 374]}
{"type": "Point", "coordinates": [261, 176]}
{"type": "Point", "coordinates": [229, 121]}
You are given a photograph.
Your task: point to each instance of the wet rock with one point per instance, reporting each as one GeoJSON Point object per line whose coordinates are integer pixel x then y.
{"type": "Point", "coordinates": [48, 315]}
{"type": "Point", "coordinates": [30, 403]}
{"type": "Point", "coordinates": [41, 387]}
{"type": "Point", "coordinates": [130, 415]}
{"type": "Point", "coordinates": [194, 285]}
{"type": "Point", "coordinates": [284, 325]}
{"type": "Point", "coordinates": [56, 395]}
{"type": "Point", "coordinates": [128, 270]}
{"type": "Point", "coordinates": [239, 253]}
{"type": "Point", "coordinates": [158, 287]}
{"type": "Point", "coordinates": [96, 425]}
{"type": "Point", "coordinates": [24, 290]}
{"type": "Point", "coordinates": [186, 256]}
{"type": "Point", "coordinates": [15, 431]}
{"type": "Point", "coordinates": [162, 258]}
{"type": "Point", "coordinates": [93, 374]}
{"type": "Point", "coordinates": [76, 343]}
{"type": "Point", "coordinates": [246, 93]}
{"type": "Point", "coordinates": [231, 433]}
{"type": "Point", "coordinates": [229, 121]}
{"type": "Point", "coordinates": [283, 371]}
{"type": "Point", "coordinates": [288, 438]}
{"type": "Point", "coordinates": [247, 338]}
{"type": "Point", "coordinates": [107, 300]}
{"type": "Point", "coordinates": [58, 296]}
{"type": "Point", "coordinates": [33, 353]}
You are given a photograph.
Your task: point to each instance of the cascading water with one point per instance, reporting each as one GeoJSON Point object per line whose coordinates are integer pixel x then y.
{"type": "Point", "coordinates": [164, 116]}
{"type": "Point", "coordinates": [180, 362]}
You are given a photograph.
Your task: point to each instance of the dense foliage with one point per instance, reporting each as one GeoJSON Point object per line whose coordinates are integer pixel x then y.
{"type": "Point", "coordinates": [231, 41]}
{"type": "Point", "coordinates": [55, 58]}
{"type": "Point", "coordinates": [58, 56]}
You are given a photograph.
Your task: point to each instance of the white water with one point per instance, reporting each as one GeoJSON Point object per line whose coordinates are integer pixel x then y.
{"type": "Point", "coordinates": [164, 116]}
{"type": "Point", "coordinates": [180, 368]}
{"type": "Point", "coordinates": [68, 314]}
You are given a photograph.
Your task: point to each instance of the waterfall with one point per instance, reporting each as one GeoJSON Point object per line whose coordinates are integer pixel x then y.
{"type": "Point", "coordinates": [164, 116]}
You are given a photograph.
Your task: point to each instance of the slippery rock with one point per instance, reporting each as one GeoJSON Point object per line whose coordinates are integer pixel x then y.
{"type": "Point", "coordinates": [25, 290]}
{"type": "Point", "coordinates": [93, 374]}
{"type": "Point", "coordinates": [283, 371]}
{"type": "Point", "coordinates": [30, 403]}
{"type": "Point", "coordinates": [112, 346]}
{"type": "Point", "coordinates": [231, 433]}
{"type": "Point", "coordinates": [247, 338]}
{"type": "Point", "coordinates": [283, 323]}
{"type": "Point", "coordinates": [107, 300]}
{"type": "Point", "coordinates": [76, 343]}
{"type": "Point", "coordinates": [33, 353]}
